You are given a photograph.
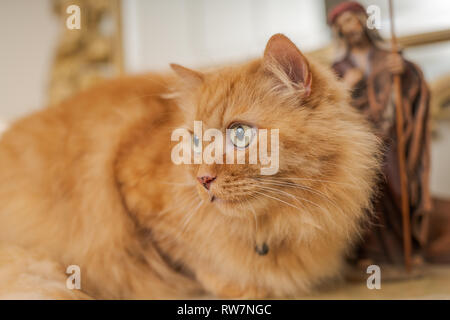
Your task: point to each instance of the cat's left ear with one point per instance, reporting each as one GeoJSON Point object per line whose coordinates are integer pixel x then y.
{"type": "Point", "coordinates": [281, 50]}
{"type": "Point", "coordinates": [189, 76]}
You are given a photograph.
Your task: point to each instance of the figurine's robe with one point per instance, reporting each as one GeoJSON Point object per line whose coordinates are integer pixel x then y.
{"type": "Point", "coordinates": [374, 96]}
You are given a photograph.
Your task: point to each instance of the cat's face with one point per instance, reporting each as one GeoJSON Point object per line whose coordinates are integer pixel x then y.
{"type": "Point", "coordinates": [275, 94]}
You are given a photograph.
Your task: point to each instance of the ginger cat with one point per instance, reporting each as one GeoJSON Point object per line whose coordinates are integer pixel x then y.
{"type": "Point", "coordinates": [91, 183]}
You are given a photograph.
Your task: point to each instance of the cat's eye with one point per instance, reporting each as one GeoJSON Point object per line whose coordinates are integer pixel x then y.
{"type": "Point", "coordinates": [196, 144]}
{"type": "Point", "coordinates": [241, 134]}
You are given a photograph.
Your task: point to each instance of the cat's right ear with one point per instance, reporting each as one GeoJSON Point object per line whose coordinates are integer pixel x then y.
{"type": "Point", "coordinates": [188, 76]}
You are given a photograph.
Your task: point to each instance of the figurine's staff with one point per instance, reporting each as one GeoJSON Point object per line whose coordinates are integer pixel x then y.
{"type": "Point", "coordinates": [401, 152]}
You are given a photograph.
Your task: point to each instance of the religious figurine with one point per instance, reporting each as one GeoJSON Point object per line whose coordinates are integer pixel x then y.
{"type": "Point", "coordinates": [367, 65]}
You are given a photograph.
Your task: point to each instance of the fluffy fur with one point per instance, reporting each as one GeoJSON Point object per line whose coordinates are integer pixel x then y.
{"type": "Point", "coordinates": [90, 182]}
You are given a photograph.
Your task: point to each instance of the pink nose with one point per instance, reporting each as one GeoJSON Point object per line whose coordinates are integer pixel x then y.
{"type": "Point", "coordinates": [206, 181]}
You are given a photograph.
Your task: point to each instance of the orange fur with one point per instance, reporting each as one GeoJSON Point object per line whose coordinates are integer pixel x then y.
{"type": "Point", "coordinates": [90, 182]}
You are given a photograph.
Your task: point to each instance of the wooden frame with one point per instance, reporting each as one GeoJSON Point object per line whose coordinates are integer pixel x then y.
{"type": "Point", "coordinates": [89, 54]}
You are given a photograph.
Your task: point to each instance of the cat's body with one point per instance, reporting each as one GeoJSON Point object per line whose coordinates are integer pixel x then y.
{"type": "Point", "coordinates": [91, 183]}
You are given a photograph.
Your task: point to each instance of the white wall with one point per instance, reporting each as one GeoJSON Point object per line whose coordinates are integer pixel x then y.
{"type": "Point", "coordinates": [413, 16]}
{"type": "Point", "coordinates": [28, 33]}
{"type": "Point", "coordinates": [208, 32]}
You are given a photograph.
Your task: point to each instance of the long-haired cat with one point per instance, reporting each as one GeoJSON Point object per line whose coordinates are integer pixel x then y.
{"type": "Point", "coordinates": [91, 183]}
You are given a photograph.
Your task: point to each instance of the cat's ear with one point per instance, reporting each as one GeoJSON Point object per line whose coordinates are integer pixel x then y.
{"type": "Point", "coordinates": [189, 76]}
{"type": "Point", "coordinates": [285, 54]}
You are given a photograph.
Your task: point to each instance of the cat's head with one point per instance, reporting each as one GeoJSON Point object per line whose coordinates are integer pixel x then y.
{"type": "Point", "coordinates": [317, 145]}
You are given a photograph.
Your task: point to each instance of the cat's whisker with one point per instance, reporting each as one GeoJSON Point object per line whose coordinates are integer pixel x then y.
{"type": "Point", "coordinates": [295, 185]}
{"type": "Point", "coordinates": [308, 218]}
{"type": "Point", "coordinates": [188, 220]}
{"type": "Point", "coordinates": [252, 209]}
{"type": "Point", "coordinates": [188, 199]}
{"type": "Point", "coordinates": [302, 187]}
{"type": "Point", "coordinates": [185, 221]}
{"type": "Point", "coordinates": [292, 206]}
{"type": "Point", "coordinates": [291, 184]}
{"type": "Point", "coordinates": [297, 198]}
{"type": "Point", "coordinates": [254, 215]}
{"type": "Point", "coordinates": [323, 181]}
{"type": "Point", "coordinates": [296, 178]}
{"type": "Point", "coordinates": [322, 209]}
{"type": "Point", "coordinates": [191, 214]}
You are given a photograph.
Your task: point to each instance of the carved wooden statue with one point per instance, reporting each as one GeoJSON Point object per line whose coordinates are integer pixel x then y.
{"type": "Point", "coordinates": [368, 66]}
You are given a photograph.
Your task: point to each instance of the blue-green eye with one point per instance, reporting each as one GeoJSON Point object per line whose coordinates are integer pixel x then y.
{"type": "Point", "coordinates": [196, 145]}
{"type": "Point", "coordinates": [241, 135]}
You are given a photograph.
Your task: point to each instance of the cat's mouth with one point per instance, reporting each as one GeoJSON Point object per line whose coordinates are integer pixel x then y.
{"type": "Point", "coordinates": [215, 194]}
{"type": "Point", "coordinates": [216, 199]}
{"type": "Point", "coordinates": [219, 200]}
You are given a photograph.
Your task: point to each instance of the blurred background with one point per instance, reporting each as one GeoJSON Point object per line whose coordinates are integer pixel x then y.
{"type": "Point", "coordinates": [42, 61]}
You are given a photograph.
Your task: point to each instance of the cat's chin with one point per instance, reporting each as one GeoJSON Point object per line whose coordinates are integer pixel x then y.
{"type": "Point", "coordinates": [224, 204]}
{"type": "Point", "coordinates": [231, 207]}
{"type": "Point", "coordinates": [221, 202]}
{"type": "Point", "coordinates": [228, 208]}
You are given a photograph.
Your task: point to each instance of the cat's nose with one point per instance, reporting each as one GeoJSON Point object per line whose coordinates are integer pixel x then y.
{"type": "Point", "coordinates": [206, 181]}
